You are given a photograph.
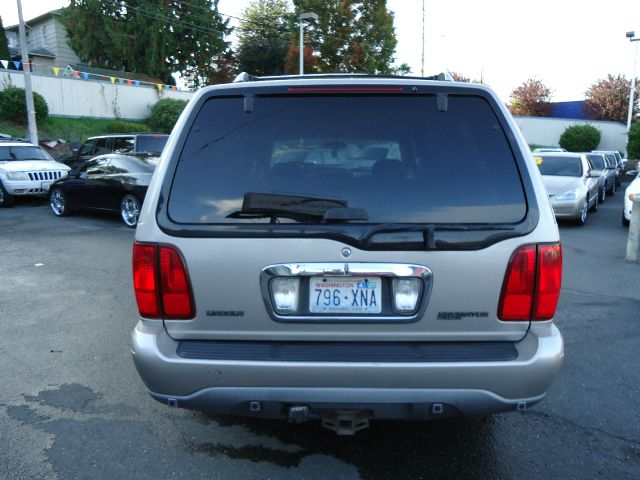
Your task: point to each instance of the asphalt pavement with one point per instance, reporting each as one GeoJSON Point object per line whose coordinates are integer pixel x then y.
{"type": "Point", "coordinates": [73, 407]}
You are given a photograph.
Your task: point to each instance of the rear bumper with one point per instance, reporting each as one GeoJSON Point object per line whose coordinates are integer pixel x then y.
{"type": "Point", "coordinates": [398, 390]}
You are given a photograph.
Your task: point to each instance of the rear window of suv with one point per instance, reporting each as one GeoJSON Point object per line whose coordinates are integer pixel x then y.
{"type": "Point", "coordinates": [401, 159]}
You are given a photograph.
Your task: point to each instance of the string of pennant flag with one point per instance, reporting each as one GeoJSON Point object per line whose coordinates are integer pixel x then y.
{"type": "Point", "coordinates": [70, 72]}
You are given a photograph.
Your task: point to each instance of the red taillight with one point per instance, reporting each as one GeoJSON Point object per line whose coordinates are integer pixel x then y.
{"type": "Point", "coordinates": [532, 283]}
{"type": "Point", "coordinates": [174, 284]}
{"type": "Point", "coordinates": [145, 279]}
{"type": "Point", "coordinates": [161, 282]}
{"type": "Point", "coordinates": [517, 292]}
{"type": "Point", "coordinates": [549, 281]}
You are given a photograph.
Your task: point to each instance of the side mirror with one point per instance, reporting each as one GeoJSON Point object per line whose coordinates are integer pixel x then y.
{"type": "Point", "coordinates": [595, 174]}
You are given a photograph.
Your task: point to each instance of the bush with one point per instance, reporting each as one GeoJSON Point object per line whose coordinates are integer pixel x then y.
{"type": "Point", "coordinates": [165, 113]}
{"type": "Point", "coordinates": [580, 138]}
{"type": "Point", "coordinates": [13, 106]}
{"type": "Point", "coordinates": [121, 126]}
{"type": "Point", "coordinates": [633, 145]}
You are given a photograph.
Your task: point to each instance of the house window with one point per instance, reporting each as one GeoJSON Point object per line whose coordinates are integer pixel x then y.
{"type": "Point", "coordinates": [43, 32]}
{"type": "Point", "coordinates": [13, 41]}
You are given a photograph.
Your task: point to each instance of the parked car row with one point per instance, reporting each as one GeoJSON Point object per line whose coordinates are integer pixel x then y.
{"type": "Point", "coordinates": [577, 182]}
{"type": "Point", "coordinates": [93, 178]}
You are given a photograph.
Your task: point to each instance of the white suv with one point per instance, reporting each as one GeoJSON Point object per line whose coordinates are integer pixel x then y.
{"type": "Point", "coordinates": [26, 169]}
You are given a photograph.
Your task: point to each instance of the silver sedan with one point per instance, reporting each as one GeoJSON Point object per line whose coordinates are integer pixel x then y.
{"type": "Point", "coordinates": [571, 184]}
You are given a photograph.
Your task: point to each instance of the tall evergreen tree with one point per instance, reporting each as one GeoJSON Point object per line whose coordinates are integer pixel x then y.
{"type": "Point", "coordinates": [4, 46]}
{"type": "Point", "coordinates": [155, 37]}
{"type": "Point", "coordinates": [349, 36]}
{"type": "Point", "coordinates": [263, 37]}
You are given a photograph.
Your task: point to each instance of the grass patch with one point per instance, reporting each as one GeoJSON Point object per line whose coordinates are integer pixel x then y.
{"type": "Point", "coordinates": [71, 129]}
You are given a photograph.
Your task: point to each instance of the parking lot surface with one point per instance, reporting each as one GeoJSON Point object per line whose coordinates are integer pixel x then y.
{"type": "Point", "coordinates": [72, 405]}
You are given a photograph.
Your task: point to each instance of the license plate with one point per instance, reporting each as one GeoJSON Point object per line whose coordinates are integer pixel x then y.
{"type": "Point", "coordinates": [361, 295]}
{"type": "Point", "coordinates": [45, 185]}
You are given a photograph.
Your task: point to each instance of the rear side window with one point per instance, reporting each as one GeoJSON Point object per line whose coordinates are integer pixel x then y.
{"type": "Point", "coordinates": [399, 158]}
{"type": "Point", "coordinates": [151, 143]}
{"type": "Point", "coordinates": [597, 161]}
{"type": "Point", "coordinates": [123, 144]}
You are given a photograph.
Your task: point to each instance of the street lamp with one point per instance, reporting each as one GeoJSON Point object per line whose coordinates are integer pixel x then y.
{"type": "Point", "coordinates": [632, 38]}
{"type": "Point", "coordinates": [302, 18]}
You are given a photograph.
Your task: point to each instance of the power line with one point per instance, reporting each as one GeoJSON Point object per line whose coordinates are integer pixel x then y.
{"type": "Point", "coordinates": [172, 21]}
{"type": "Point", "coordinates": [164, 18]}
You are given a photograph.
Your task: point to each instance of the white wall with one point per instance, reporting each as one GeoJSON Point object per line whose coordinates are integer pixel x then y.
{"type": "Point", "coordinates": [546, 131]}
{"type": "Point", "coordinates": [70, 97]}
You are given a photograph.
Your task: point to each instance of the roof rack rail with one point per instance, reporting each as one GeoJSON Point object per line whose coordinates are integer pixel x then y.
{"type": "Point", "coordinates": [246, 77]}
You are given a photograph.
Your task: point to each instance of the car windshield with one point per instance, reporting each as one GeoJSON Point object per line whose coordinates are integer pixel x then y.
{"type": "Point", "coordinates": [399, 159]}
{"type": "Point", "coordinates": [22, 153]}
{"type": "Point", "coordinates": [151, 143]}
{"type": "Point", "coordinates": [597, 161]}
{"type": "Point", "coordinates": [560, 166]}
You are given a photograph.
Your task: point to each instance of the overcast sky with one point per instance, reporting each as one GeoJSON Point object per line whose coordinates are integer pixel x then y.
{"type": "Point", "coordinates": [568, 44]}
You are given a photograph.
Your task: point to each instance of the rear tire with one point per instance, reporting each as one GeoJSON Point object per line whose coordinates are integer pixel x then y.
{"type": "Point", "coordinates": [58, 203]}
{"type": "Point", "coordinates": [130, 210]}
{"type": "Point", "coordinates": [6, 199]}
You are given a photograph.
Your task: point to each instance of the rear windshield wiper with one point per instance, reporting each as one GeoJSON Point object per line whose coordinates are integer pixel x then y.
{"type": "Point", "coordinates": [428, 230]}
{"type": "Point", "coordinates": [297, 207]}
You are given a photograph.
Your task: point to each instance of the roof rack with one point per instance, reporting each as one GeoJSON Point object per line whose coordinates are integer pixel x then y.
{"type": "Point", "coordinates": [246, 77]}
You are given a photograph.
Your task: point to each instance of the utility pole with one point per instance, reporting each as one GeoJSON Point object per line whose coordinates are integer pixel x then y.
{"type": "Point", "coordinates": [26, 70]}
{"type": "Point", "coordinates": [632, 38]}
{"type": "Point", "coordinates": [422, 71]}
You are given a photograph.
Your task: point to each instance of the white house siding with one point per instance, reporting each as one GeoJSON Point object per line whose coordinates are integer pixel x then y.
{"type": "Point", "coordinates": [68, 97]}
{"type": "Point", "coordinates": [64, 55]}
{"type": "Point", "coordinates": [546, 131]}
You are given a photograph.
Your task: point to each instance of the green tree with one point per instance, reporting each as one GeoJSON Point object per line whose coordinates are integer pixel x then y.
{"type": "Point", "coordinates": [633, 146]}
{"type": "Point", "coordinates": [608, 99]}
{"type": "Point", "coordinates": [13, 106]}
{"type": "Point", "coordinates": [580, 138]}
{"type": "Point", "coordinates": [155, 37]}
{"type": "Point", "coordinates": [349, 36]}
{"type": "Point", "coordinates": [164, 114]}
{"type": "Point", "coordinates": [531, 98]}
{"type": "Point", "coordinates": [4, 46]}
{"type": "Point", "coordinates": [264, 37]}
